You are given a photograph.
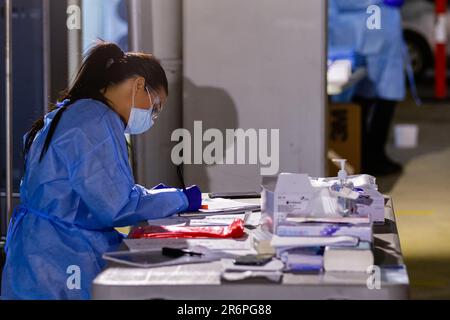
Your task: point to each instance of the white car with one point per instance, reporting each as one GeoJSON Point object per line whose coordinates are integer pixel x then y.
{"type": "Point", "coordinates": [419, 28]}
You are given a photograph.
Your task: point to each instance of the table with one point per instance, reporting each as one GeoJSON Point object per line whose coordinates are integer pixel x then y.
{"type": "Point", "coordinates": [202, 281]}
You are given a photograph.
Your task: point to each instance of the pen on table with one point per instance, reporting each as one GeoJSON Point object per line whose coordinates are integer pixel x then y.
{"type": "Point", "coordinates": [174, 252]}
{"type": "Point", "coordinates": [181, 176]}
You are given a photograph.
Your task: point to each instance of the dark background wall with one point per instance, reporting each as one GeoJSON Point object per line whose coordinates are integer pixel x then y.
{"type": "Point", "coordinates": [29, 94]}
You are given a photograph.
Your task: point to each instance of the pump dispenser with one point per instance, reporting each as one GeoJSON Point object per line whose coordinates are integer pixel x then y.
{"type": "Point", "coordinates": [344, 190]}
{"type": "Point", "coordinates": [342, 174]}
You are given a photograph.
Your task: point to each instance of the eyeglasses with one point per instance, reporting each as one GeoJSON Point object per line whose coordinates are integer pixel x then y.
{"type": "Point", "coordinates": [157, 105]}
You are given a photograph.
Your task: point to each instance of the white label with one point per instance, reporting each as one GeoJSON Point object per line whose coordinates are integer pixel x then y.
{"type": "Point", "coordinates": [441, 29]}
{"type": "Point", "coordinates": [293, 204]}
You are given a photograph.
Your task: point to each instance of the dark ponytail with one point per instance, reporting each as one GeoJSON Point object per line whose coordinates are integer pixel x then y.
{"type": "Point", "coordinates": [104, 65]}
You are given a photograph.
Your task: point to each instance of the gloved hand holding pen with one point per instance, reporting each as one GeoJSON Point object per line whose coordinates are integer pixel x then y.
{"type": "Point", "coordinates": [194, 196]}
{"type": "Point", "coordinates": [394, 3]}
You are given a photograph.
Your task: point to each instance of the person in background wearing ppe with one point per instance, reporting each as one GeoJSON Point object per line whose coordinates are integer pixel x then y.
{"type": "Point", "coordinates": [384, 53]}
{"type": "Point", "coordinates": [78, 185]}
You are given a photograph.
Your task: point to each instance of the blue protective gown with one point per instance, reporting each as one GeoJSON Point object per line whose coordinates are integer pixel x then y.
{"type": "Point", "coordinates": [72, 201]}
{"type": "Point", "coordinates": [383, 49]}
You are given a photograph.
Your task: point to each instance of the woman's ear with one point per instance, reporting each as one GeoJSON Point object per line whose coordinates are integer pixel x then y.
{"type": "Point", "coordinates": [140, 83]}
{"type": "Point", "coordinates": [137, 83]}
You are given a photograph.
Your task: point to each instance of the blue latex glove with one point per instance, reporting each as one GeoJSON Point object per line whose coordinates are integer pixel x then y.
{"type": "Point", "coordinates": [194, 196]}
{"type": "Point", "coordinates": [160, 186]}
{"type": "Point", "coordinates": [394, 3]}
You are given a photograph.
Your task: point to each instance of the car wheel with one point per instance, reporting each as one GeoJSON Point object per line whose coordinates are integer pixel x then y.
{"type": "Point", "coordinates": [419, 52]}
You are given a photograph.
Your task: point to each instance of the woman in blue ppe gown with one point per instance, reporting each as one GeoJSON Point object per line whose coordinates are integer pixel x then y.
{"type": "Point", "coordinates": [78, 185]}
{"type": "Point", "coordinates": [384, 52]}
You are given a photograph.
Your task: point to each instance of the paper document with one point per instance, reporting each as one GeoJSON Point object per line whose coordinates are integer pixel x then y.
{"type": "Point", "coordinates": [156, 259]}
{"type": "Point", "coordinates": [249, 218]}
{"type": "Point", "coordinates": [173, 275]}
{"type": "Point", "coordinates": [253, 219]}
{"type": "Point", "coordinates": [216, 220]}
{"type": "Point", "coordinates": [170, 221]}
{"type": "Point", "coordinates": [222, 244]}
{"type": "Point", "coordinates": [155, 244]}
{"type": "Point", "coordinates": [200, 220]}
{"type": "Point", "coordinates": [212, 244]}
{"type": "Point", "coordinates": [225, 205]}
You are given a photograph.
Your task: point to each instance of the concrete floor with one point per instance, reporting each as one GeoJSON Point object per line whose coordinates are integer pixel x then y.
{"type": "Point", "coordinates": [422, 199]}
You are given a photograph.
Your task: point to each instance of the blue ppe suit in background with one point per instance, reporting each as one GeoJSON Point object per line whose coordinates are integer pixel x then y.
{"type": "Point", "coordinates": [383, 49]}
{"type": "Point", "coordinates": [72, 201]}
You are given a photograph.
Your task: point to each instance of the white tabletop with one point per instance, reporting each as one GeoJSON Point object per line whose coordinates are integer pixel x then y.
{"type": "Point", "coordinates": [203, 281]}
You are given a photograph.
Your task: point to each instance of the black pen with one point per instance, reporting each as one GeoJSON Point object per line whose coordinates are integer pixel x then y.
{"type": "Point", "coordinates": [176, 253]}
{"type": "Point", "coordinates": [181, 176]}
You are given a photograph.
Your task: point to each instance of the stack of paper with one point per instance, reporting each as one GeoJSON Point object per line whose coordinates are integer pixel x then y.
{"type": "Point", "coordinates": [223, 206]}
{"type": "Point", "coordinates": [340, 235]}
{"type": "Point", "coordinates": [226, 245]}
{"type": "Point", "coordinates": [356, 259]}
{"type": "Point", "coordinates": [216, 220]}
{"type": "Point", "coordinates": [283, 243]}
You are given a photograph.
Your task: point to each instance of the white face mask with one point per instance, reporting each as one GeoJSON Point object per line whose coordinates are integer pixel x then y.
{"type": "Point", "coordinates": [140, 119]}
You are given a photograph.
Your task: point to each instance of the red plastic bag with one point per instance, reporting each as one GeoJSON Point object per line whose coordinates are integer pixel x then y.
{"type": "Point", "coordinates": [234, 230]}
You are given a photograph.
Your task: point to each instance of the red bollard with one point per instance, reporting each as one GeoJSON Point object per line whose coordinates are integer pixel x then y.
{"type": "Point", "coordinates": [440, 67]}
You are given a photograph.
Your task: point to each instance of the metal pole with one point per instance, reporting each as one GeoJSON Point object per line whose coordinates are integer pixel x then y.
{"type": "Point", "coordinates": [134, 44]}
{"type": "Point", "coordinates": [9, 110]}
{"type": "Point", "coordinates": [46, 52]}
{"type": "Point", "coordinates": [134, 19]}
{"type": "Point", "coordinates": [74, 37]}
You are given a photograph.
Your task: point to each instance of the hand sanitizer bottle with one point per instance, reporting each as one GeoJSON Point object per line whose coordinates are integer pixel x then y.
{"type": "Point", "coordinates": [345, 204]}
{"type": "Point", "coordinates": [342, 176]}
